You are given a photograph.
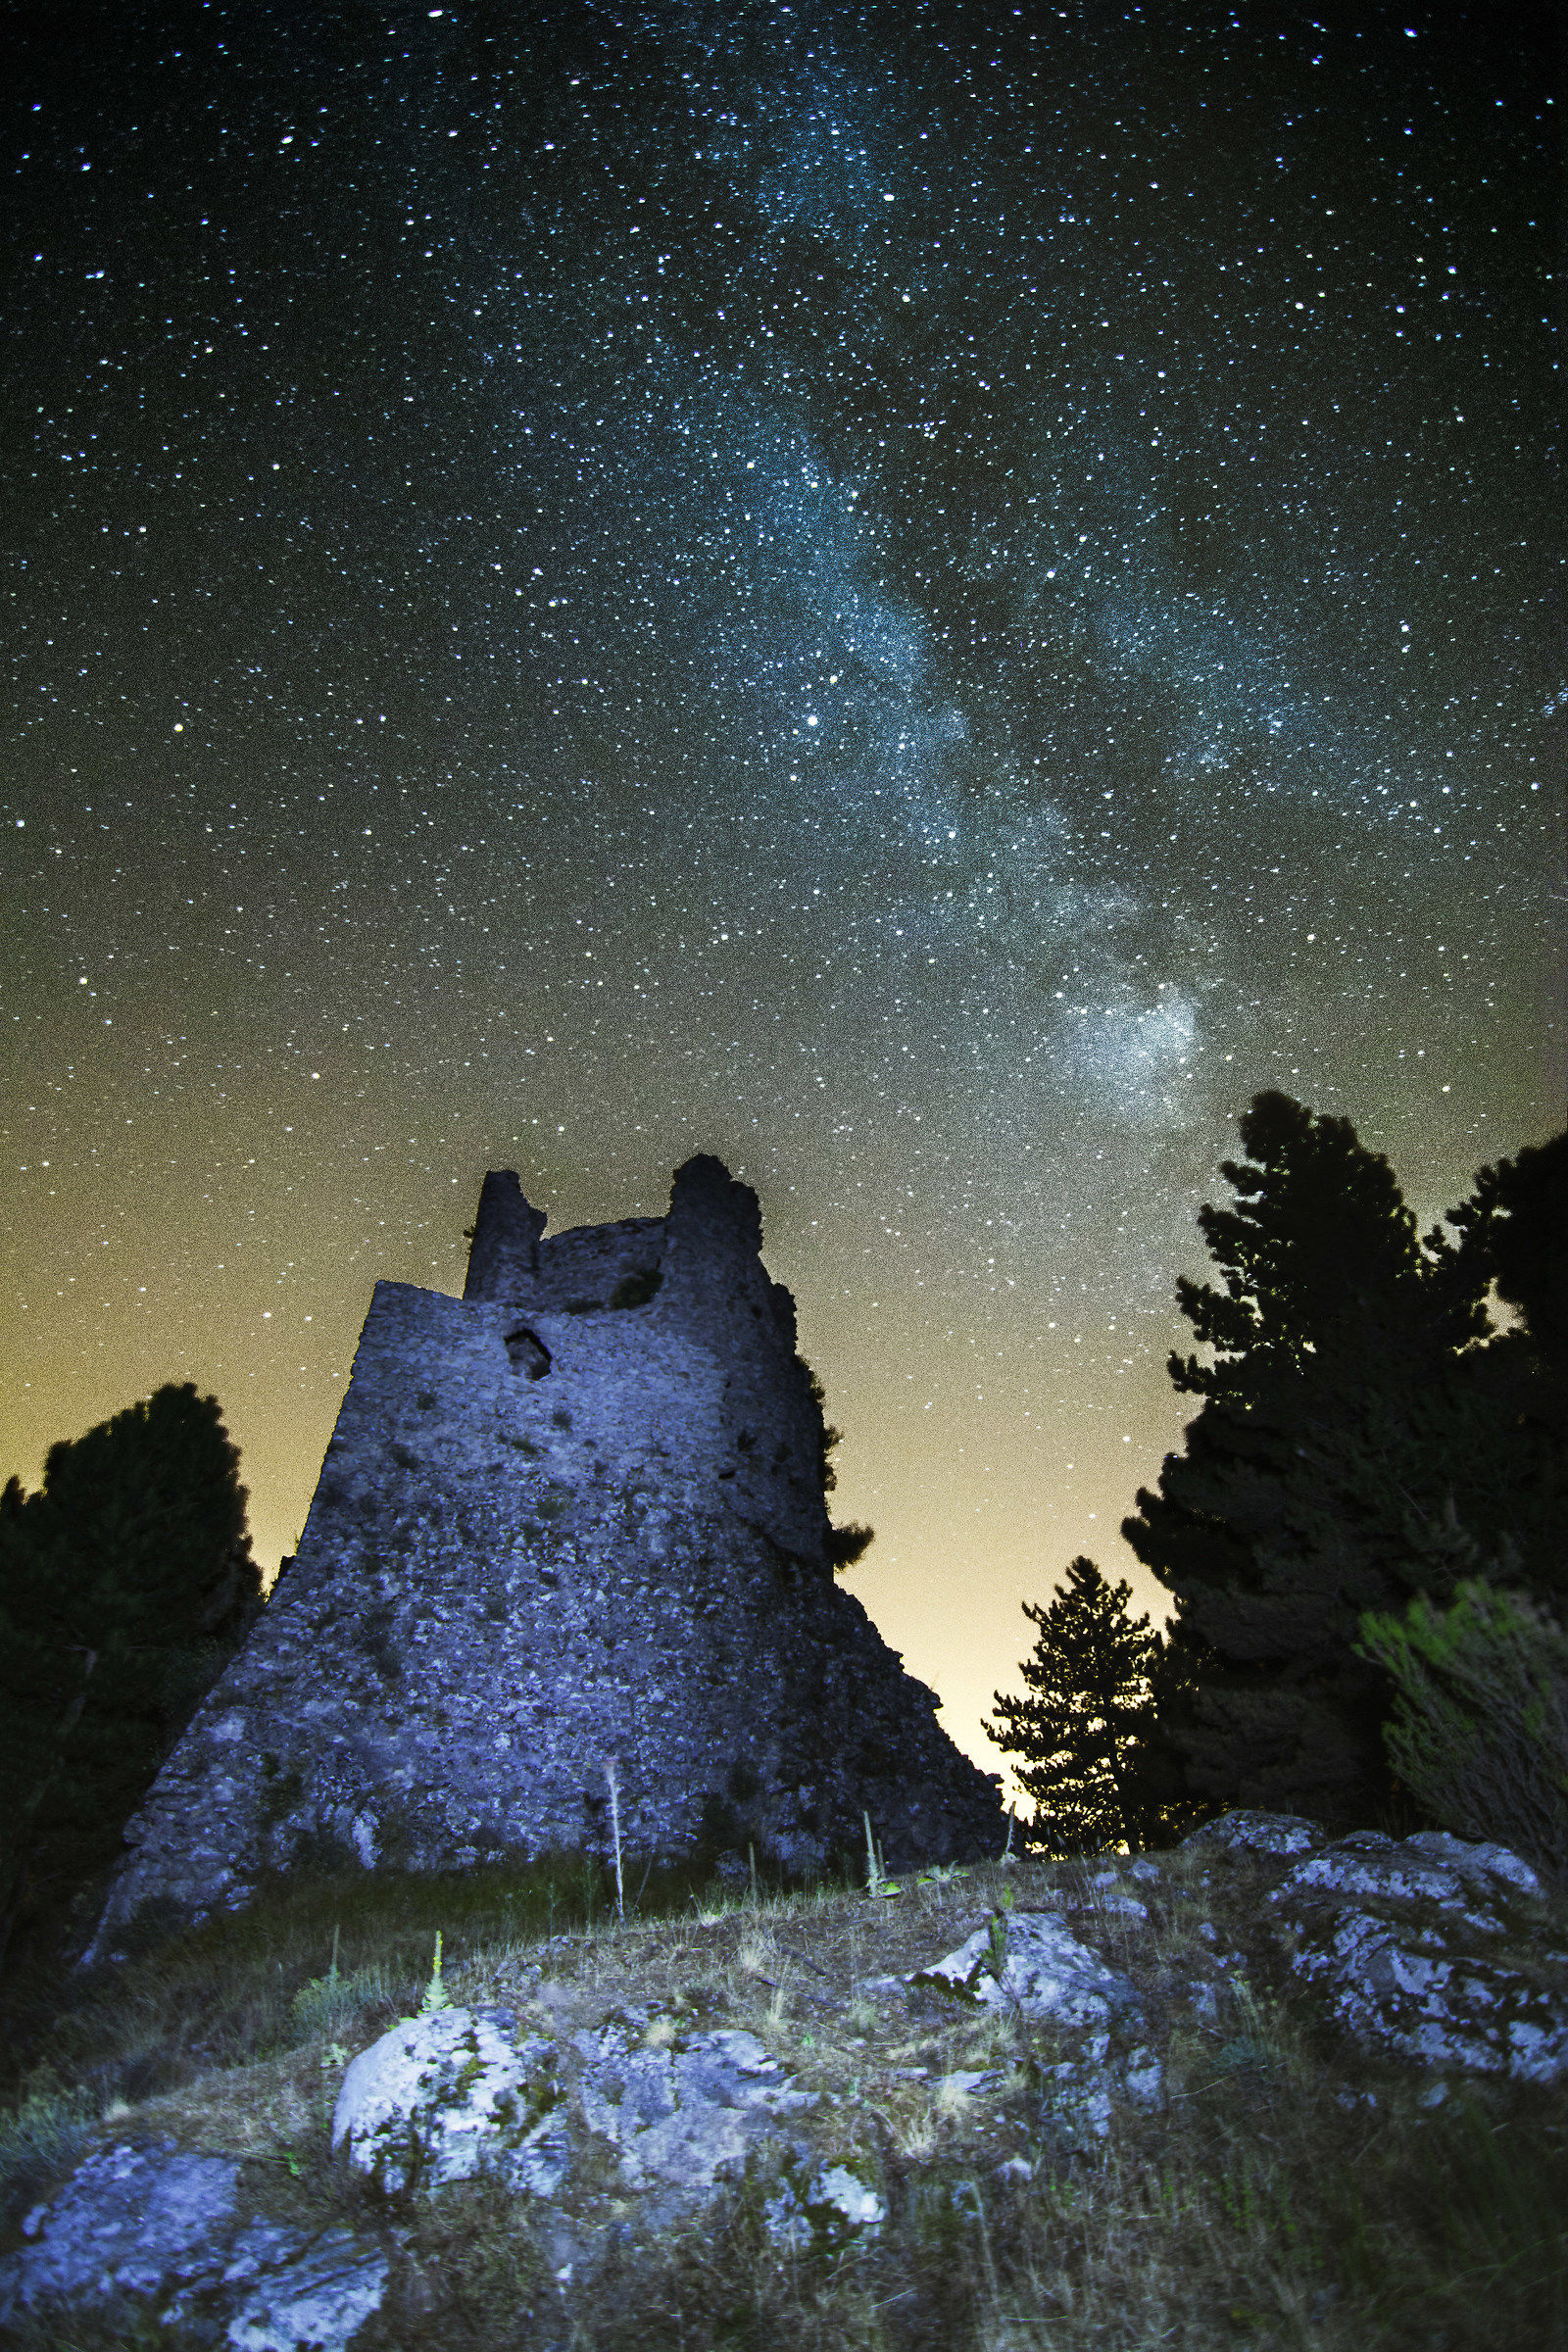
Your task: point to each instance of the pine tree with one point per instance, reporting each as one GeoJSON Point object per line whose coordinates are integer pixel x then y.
{"type": "Point", "coordinates": [1353, 1450]}
{"type": "Point", "coordinates": [1081, 1727]}
{"type": "Point", "coordinates": [125, 1584]}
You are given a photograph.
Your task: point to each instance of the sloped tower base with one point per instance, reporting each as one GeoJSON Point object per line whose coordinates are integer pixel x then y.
{"type": "Point", "coordinates": [567, 1525]}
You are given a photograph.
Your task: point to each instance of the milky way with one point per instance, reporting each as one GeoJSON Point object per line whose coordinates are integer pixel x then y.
{"type": "Point", "coordinates": [921, 597]}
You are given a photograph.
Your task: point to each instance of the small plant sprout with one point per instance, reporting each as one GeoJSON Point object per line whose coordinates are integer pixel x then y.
{"type": "Point", "coordinates": [435, 1992]}
{"type": "Point", "coordinates": [613, 1783]}
{"type": "Point", "coordinates": [877, 1881]}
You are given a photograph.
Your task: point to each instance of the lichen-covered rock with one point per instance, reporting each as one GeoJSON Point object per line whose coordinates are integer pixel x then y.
{"type": "Point", "coordinates": [1433, 1949]}
{"type": "Point", "coordinates": [1044, 1972]}
{"type": "Point", "coordinates": [573, 1518]}
{"type": "Point", "coordinates": [442, 2097]}
{"type": "Point", "coordinates": [1432, 1864]}
{"type": "Point", "coordinates": [823, 2210]}
{"type": "Point", "coordinates": [135, 2219]}
{"type": "Point", "coordinates": [1399, 1985]}
{"type": "Point", "coordinates": [150, 2230]}
{"type": "Point", "coordinates": [684, 2113]}
{"type": "Point", "coordinates": [318, 2301]}
{"type": "Point", "coordinates": [1108, 1897]}
{"type": "Point", "coordinates": [1257, 1833]}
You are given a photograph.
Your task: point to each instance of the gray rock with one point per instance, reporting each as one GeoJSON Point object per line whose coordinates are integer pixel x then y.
{"type": "Point", "coordinates": [136, 2218]}
{"type": "Point", "coordinates": [1257, 1833]}
{"type": "Point", "coordinates": [317, 2303]}
{"type": "Point", "coordinates": [1046, 1973]}
{"type": "Point", "coordinates": [1484, 1867]}
{"type": "Point", "coordinates": [824, 2211]}
{"type": "Point", "coordinates": [143, 2223]}
{"type": "Point", "coordinates": [1400, 1989]}
{"type": "Point", "coordinates": [1108, 1897]}
{"type": "Point", "coordinates": [443, 2095]}
{"type": "Point", "coordinates": [1395, 1937]}
{"type": "Point", "coordinates": [685, 2114]}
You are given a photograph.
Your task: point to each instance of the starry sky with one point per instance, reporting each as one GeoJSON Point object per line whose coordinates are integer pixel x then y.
{"type": "Point", "coordinates": [921, 597]}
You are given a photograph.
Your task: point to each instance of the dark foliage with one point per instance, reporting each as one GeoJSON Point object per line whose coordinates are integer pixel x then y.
{"type": "Point", "coordinates": [125, 1584]}
{"type": "Point", "coordinates": [1083, 1727]}
{"type": "Point", "coordinates": [1518, 1216]}
{"type": "Point", "coordinates": [848, 1543]}
{"type": "Point", "coordinates": [1355, 1447]}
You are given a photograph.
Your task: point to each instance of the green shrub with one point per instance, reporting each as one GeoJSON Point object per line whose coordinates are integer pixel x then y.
{"type": "Point", "coordinates": [1478, 1733]}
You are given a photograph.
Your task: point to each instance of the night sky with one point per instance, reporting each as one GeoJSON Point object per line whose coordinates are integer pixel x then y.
{"type": "Point", "coordinates": [923, 598]}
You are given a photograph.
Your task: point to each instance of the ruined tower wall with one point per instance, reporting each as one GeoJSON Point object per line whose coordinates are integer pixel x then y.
{"type": "Point", "coordinates": [552, 1533]}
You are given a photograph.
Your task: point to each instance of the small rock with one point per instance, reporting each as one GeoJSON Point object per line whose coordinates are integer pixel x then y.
{"type": "Point", "coordinates": [1076, 2103]}
{"type": "Point", "coordinates": [971, 2082]}
{"type": "Point", "coordinates": [825, 2211]}
{"type": "Point", "coordinates": [440, 2097]}
{"type": "Point", "coordinates": [1142, 2079]}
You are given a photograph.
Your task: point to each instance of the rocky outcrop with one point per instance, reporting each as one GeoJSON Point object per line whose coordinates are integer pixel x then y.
{"type": "Point", "coordinates": [143, 2229]}
{"type": "Point", "coordinates": [617, 2093]}
{"type": "Point", "coordinates": [568, 1526]}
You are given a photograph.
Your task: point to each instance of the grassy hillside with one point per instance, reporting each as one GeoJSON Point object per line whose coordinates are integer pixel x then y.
{"type": "Point", "coordinates": [1290, 2193]}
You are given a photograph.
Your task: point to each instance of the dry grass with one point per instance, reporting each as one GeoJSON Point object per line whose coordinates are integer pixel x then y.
{"type": "Point", "coordinates": [1290, 2196]}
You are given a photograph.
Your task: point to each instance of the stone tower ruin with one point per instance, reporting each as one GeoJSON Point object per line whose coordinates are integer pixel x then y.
{"type": "Point", "coordinates": [570, 1524]}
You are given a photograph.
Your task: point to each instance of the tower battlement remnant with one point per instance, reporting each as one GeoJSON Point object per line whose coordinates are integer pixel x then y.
{"type": "Point", "coordinates": [570, 1520]}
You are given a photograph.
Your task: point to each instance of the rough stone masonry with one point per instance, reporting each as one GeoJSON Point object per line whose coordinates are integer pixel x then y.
{"type": "Point", "coordinates": [568, 1526]}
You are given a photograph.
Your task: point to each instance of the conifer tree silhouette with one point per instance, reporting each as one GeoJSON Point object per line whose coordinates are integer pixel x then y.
{"type": "Point", "coordinates": [1353, 1447]}
{"type": "Point", "coordinates": [1087, 1712]}
{"type": "Point", "coordinates": [125, 1584]}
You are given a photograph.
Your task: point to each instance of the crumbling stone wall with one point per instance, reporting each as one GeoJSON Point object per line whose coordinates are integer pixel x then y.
{"type": "Point", "coordinates": [572, 1520]}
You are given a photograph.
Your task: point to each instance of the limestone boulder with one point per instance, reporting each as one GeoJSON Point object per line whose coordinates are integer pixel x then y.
{"type": "Point", "coordinates": [1030, 1963]}
{"type": "Point", "coordinates": [685, 2113]}
{"type": "Point", "coordinates": [1433, 1949]}
{"type": "Point", "coordinates": [310, 2297]}
{"type": "Point", "coordinates": [445, 2095]}
{"type": "Point", "coordinates": [139, 2219]}
{"type": "Point", "coordinates": [149, 2233]}
{"type": "Point", "coordinates": [1257, 1833]}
